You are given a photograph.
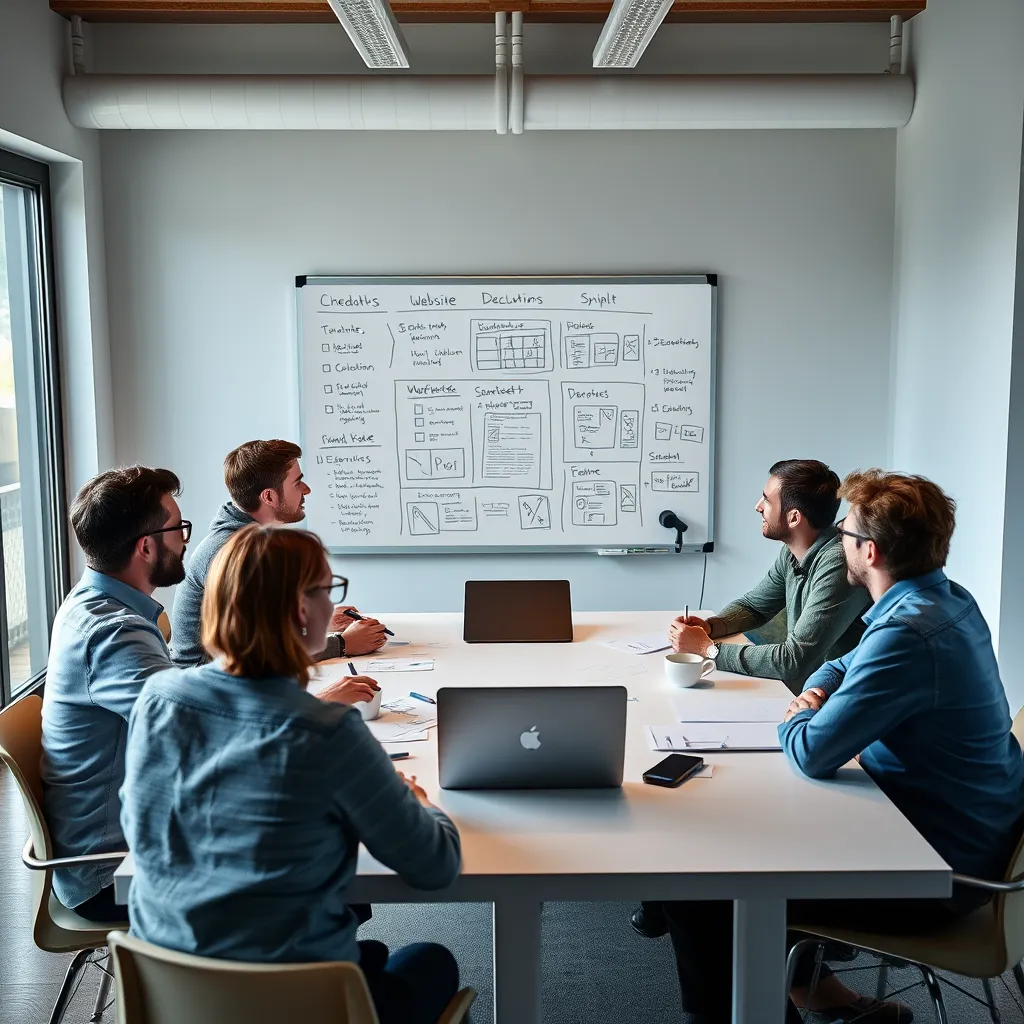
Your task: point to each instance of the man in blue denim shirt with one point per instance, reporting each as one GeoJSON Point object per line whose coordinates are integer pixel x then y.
{"type": "Point", "coordinates": [105, 645]}
{"type": "Point", "coordinates": [919, 701]}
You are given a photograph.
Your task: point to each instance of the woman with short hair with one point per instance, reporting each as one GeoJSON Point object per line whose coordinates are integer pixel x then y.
{"type": "Point", "coordinates": [246, 798]}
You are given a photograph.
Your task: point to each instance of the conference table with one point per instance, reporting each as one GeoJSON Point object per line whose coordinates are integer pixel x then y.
{"type": "Point", "coordinates": [756, 832]}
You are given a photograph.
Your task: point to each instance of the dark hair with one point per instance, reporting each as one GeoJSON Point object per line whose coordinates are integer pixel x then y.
{"type": "Point", "coordinates": [256, 465]}
{"type": "Point", "coordinates": [910, 519]}
{"type": "Point", "coordinates": [113, 510]}
{"type": "Point", "coordinates": [811, 488]}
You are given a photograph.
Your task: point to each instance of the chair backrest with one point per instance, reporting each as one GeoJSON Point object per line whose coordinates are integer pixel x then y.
{"type": "Point", "coordinates": [161, 986]}
{"type": "Point", "coordinates": [21, 749]}
{"type": "Point", "coordinates": [1010, 907]}
{"type": "Point", "coordinates": [164, 625]}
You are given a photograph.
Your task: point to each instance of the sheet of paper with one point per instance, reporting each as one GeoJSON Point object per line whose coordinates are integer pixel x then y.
{"type": "Point", "coordinates": [646, 644]}
{"type": "Point", "coordinates": [414, 711]}
{"type": "Point", "coordinates": [710, 736]}
{"type": "Point", "coordinates": [714, 706]}
{"type": "Point", "coordinates": [396, 732]}
{"type": "Point", "coordinates": [375, 665]}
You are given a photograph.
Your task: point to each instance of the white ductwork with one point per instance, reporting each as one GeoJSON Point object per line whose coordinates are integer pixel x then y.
{"type": "Point", "coordinates": [501, 73]}
{"type": "Point", "coordinates": [515, 112]}
{"type": "Point", "coordinates": [467, 103]}
{"type": "Point", "coordinates": [717, 102]}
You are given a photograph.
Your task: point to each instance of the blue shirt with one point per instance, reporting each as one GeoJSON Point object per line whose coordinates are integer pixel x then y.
{"type": "Point", "coordinates": [245, 801]}
{"type": "Point", "coordinates": [105, 645]}
{"type": "Point", "coordinates": [921, 701]}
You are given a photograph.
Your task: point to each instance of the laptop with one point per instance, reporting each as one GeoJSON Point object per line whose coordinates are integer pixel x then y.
{"type": "Point", "coordinates": [530, 737]}
{"type": "Point", "coordinates": [517, 612]}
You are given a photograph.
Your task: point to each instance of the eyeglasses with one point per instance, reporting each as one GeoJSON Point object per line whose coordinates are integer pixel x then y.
{"type": "Point", "coordinates": [858, 537]}
{"type": "Point", "coordinates": [184, 526]}
{"type": "Point", "coordinates": [338, 583]}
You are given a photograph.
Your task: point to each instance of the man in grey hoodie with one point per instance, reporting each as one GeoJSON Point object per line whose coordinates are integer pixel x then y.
{"type": "Point", "coordinates": [265, 482]}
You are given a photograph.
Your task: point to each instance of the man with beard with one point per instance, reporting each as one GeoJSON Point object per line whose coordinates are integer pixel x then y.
{"type": "Point", "coordinates": [265, 482]}
{"type": "Point", "coordinates": [808, 580]}
{"type": "Point", "coordinates": [105, 644]}
{"type": "Point", "coordinates": [920, 704]}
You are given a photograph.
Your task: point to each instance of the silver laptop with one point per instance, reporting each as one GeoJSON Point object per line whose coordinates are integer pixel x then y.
{"type": "Point", "coordinates": [527, 737]}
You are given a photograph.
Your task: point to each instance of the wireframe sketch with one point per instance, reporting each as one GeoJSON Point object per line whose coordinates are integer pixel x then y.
{"type": "Point", "coordinates": [675, 481]}
{"type": "Point", "coordinates": [631, 348]}
{"type": "Point", "coordinates": [595, 426]}
{"type": "Point", "coordinates": [534, 512]}
{"type": "Point", "coordinates": [680, 431]}
{"type": "Point", "coordinates": [495, 509]}
{"type": "Point", "coordinates": [627, 497]}
{"type": "Point", "coordinates": [459, 516]}
{"type": "Point", "coordinates": [629, 428]}
{"type": "Point", "coordinates": [435, 463]}
{"type": "Point", "coordinates": [583, 351]}
{"type": "Point", "coordinates": [523, 345]}
{"type": "Point", "coordinates": [512, 448]}
{"type": "Point", "coordinates": [593, 503]}
{"type": "Point", "coordinates": [424, 518]}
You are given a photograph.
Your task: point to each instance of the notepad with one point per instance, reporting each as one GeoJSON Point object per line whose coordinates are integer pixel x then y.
{"type": "Point", "coordinates": [377, 665]}
{"type": "Point", "coordinates": [646, 644]}
{"type": "Point", "coordinates": [714, 706]}
{"type": "Point", "coordinates": [714, 736]}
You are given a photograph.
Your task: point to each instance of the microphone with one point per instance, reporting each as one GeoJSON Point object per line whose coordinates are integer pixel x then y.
{"type": "Point", "coordinates": [671, 521]}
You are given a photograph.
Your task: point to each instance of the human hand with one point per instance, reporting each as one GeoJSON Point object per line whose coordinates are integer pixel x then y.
{"type": "Point", "coordinates": [364, 637]}
{"type": "Point", "coordinates": [692, 620]}
{"type": "Point", "coordinates": [812, 699]}
{"type": "Point", "coordinates": [688, 639]}
{"type": "Point", "coordinates": [339, 620]}
{"type": "Point", "coordinates": [350, 690]}
{"type": "Point", "coordinates": [417, 790]}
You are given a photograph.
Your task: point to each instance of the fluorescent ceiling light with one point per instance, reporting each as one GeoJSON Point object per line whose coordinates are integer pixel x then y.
{"type": "Point", "coordinates": [630, 27]}
{"type": "Point", "coordinates": [371, 26]}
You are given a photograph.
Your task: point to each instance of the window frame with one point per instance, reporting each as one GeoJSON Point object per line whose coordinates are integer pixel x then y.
{"type": "Point", "coordinates": [35, 176]}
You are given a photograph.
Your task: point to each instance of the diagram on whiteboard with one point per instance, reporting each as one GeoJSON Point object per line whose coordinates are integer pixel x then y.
{"type": "Point", "coordinates": [453, 414]}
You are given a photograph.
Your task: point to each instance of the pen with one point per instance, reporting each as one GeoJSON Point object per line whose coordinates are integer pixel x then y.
{"type": "Point", "coordinates": [426, 700]}
{"type": "Point", "coordinates": [686, 612]}
{"type": "Point", "coordinates": [399, 755]}
{"type": "Point", "coordinates": [352, 669]}
{"type": "Point", "coordinates": [355, 615]}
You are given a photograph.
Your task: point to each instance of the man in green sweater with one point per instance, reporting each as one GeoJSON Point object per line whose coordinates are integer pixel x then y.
{"type": "Point", "coordinates": [808, 581]}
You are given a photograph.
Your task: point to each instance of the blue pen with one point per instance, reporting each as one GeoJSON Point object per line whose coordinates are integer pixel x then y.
{"type": "Point", "coordinates": [401, 755]}
{"type": "Point", "coordinates": [426, 700]}
{"type": "Point", "coordinates": [355, 615]}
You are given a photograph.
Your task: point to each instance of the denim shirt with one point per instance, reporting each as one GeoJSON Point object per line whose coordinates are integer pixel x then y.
{"type": "Point", "coordinates": [245, 801]}
{"type": "Point", "coordinates": [105, 645]}
{"type": "Point", "coordinates": [920, 700]}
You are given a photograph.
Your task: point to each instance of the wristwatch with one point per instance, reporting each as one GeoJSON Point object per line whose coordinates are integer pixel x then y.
{"type": "Point", "coordinates": [712, 651]}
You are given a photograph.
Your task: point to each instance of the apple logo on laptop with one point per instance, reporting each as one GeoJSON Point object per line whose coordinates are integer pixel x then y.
{"type": "Point", "coordinates": [530, 740]}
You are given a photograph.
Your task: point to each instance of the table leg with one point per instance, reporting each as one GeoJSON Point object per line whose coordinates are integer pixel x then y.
{"type": "Point", "coordinates": [759, 962]}
{"type": "Point", "coordinates": [516, 961]}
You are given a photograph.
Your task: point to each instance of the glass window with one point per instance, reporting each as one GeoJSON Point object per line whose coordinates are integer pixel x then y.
{"type": "Point", "coordinates": [33, 538]}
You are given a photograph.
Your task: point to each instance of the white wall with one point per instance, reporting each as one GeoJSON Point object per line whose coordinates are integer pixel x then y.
{"type": "Point", "coordinates": [958, 193]}
{"type": "Point", "coordinates": [206, 232]}
{"type": "Point", "coordinates": [34, 56]}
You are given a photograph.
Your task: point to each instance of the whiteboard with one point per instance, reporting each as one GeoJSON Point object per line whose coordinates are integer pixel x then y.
{"type": "Point", "coordinates": [507, 414]}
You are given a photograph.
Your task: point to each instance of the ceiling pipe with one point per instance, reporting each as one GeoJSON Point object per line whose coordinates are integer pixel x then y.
{"type": "Point", "coordinates": [466, 103]}
{"type": "Point", "coordinates": [501, 73]}
{"type": "Point", "coordinates": [77, 46]}
{"type": "Point", "coordinates": [895, 44]}
{"type": "Point", "coordinates": [516, 99]}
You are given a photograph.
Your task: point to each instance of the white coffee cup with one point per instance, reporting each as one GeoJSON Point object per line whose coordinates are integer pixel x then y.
{"type": "Point", "coordinates": [687, 669]}
{"type": "Point", "coordinates": [370, 709]}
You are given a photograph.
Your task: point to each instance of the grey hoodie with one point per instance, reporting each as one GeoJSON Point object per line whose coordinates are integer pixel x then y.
{"type": "Point", "coordinates": [186, 615]}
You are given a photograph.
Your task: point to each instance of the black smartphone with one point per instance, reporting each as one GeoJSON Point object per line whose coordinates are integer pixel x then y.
{"type": "Point", "coordinates": [673, 770]}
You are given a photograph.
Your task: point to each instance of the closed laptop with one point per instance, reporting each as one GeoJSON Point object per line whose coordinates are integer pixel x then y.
{"type": "Point", "coordinates": [517, 611]}
{"type": "Point", "coordinates": [531, 737]}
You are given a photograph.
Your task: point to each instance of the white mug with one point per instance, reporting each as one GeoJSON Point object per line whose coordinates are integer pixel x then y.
{"type": "Point", "coordinates": [370, 709]}
{"type": "Point", "coordinates": [687, 669]}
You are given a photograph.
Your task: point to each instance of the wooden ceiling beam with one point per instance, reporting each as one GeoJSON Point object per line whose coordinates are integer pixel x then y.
{"type": "Point", "coordinates": [277, 11]}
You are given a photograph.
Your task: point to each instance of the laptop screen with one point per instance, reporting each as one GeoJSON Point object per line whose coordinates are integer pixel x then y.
{"type": "Point", "coordinates": [517, 611]}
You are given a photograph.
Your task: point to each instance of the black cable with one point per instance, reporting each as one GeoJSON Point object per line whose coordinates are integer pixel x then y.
{"type": "Point", "coordinates": [703, 580]}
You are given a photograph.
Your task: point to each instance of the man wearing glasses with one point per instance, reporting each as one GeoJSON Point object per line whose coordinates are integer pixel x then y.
{"type": "Point", "coordinates": [105, 644]}
{"type": "Point", "coordinates": [265, 482]}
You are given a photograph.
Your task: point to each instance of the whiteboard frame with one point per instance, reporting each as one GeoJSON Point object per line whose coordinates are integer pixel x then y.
{"type": "Point", "coordinates": [304, 280]}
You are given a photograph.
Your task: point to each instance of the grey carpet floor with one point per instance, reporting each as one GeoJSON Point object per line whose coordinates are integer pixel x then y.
{"type": "Point", "coordinates": [595, 969]}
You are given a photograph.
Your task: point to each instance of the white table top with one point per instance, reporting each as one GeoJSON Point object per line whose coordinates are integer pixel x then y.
{"type": "Point", "coordinates": [756, 829]}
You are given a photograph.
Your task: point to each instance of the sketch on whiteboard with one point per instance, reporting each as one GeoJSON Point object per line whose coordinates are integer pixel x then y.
{"type": "Point", "coordinates": [534, 512]}
{"type": "Point", "coordinates": [511, 345]}
{"type": "Point", "coordinates": [583, 351]}
{"type": "Point", "coordinates": [627, 497]}
{"type": "Point", "coordinates": [602, 422]}
{"type": "Point", "coordinates": [435, 463]}
{"type": "Point", "coordinates": [594, 426]}
{"type": "Point", "coordinates": [675, 482]}
{"type": "Point", "coordinates": [495, 509]}
{"type": "Point", "coordinates": [424, 518]}
{"type": "Point", "coordinates": [593, 503]}
{"type": "Point", "coordinates": [512, 448]}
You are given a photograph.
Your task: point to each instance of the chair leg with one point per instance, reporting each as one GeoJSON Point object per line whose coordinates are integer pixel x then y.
{"type": "Point", "coordinates": [935, 992]}
{"type": "Point", "coordinates": [883, 981]}
{"type": "Point", "coordinates": [993, 1010]}
{"type": "Point", "coordinates": [1018, 976]}
{"type": "Point", "coordinates": [104, 992]}
{"type": "Point", "coordinates": [793, 959]}
{"type": "Point", "coordinates": [67, 990]}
